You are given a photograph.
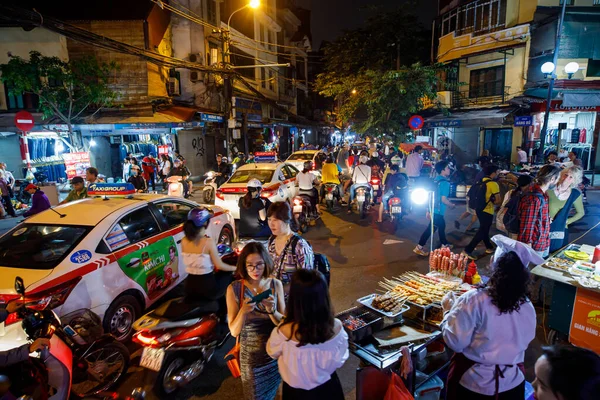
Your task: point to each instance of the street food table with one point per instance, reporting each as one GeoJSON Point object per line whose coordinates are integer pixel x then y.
{"type": "Point", "coordinates": [575, 307]}
{"type": "Point", "coordinates": [381, 324]}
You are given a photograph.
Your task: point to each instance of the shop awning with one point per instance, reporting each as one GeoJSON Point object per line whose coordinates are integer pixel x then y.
{"type": "Point", "coordinates": [482, 117]}
{"type": "Point", "coordinates": [408, 147]}
{"type": "Point", "coordinates": [587, 99]}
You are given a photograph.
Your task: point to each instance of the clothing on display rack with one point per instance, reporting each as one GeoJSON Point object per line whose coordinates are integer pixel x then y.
{"type": "Point", "coordinates": [41, 149]}
{"type": "Point", "coordinates": [583, 151]}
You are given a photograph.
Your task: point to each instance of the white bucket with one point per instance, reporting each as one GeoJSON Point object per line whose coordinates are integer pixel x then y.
{"type": "Point", "coordinates": [461, 191]}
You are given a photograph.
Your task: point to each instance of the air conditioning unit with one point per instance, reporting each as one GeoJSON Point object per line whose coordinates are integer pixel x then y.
{"type": "Point", "coordinates": [196, 76]}
{"type": "Point", "coordinates": [196, 58]}
{"type": "Point", "coordinates": [173, 87]}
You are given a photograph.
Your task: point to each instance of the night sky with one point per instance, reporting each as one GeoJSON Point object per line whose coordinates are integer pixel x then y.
{"type": "Point", "coordinates": [331, 17]}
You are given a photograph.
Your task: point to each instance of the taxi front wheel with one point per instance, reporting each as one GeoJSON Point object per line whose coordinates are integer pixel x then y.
{"type": "Point", "coordinates": [120, 316]}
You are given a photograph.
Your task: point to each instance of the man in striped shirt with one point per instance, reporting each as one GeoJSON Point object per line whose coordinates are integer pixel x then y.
{"type": "Point", "coordinates": [534, 220]}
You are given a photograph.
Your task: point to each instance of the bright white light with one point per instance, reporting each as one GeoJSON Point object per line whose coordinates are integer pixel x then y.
{"type": "Point", "coordinates": [254, 3]}
{"type": "Point", "coordinates": [309, 131]}
{"type": "Point", "coordinates": [59, 147]}
{"type": "Point", "coordinates": [419, 196]}
{"type": "Point", "coordinates": [571, 67]}
{"type": "Point", "coordinates": [548, 67]}
{"type": "Point", "coordinates": [92, 143]}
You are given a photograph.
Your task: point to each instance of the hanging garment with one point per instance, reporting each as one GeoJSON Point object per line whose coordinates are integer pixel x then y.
{"type": "Point", "coordinates": [583, 136]}
{"type": "Point", "coordinates": [575, 135]}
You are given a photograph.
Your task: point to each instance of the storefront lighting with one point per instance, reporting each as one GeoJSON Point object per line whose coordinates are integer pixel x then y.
{"type": "Point", "coordinates": [58, 146]}
{"type": "Point", "coordinates": [92, 142]}
{"type": "Point", "coordinates": [571, 68]}
{"type": "Point", "coordinates": [254, 3]}
{"type": "Point", "coordinates": [548, 68]}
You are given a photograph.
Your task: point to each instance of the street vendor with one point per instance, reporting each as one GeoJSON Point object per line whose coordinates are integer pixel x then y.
{"type": "Point", "coordinates": [489, 329]}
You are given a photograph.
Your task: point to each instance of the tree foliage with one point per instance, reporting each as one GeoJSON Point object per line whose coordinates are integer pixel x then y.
{"type": "Point", "coordinates": [361, 72]}
{"type": "Point", "coordinates": [66, 89]}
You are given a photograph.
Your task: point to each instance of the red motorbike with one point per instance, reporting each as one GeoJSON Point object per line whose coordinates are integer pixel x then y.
{"type": "Point", "coordinates": [180, 338]}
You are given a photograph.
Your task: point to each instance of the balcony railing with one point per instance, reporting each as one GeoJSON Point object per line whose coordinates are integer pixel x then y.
{"type": "Point", "coordinates": [474, 97]}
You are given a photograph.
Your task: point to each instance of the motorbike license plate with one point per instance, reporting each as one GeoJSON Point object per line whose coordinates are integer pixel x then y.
{"type": "Point", "coordinates": [360, 198]}
{"type": "Point", "coordinates": [152, 358]}
{"type": "Point", "coordinates": [375, 187]}
{"type": "Point", "coordinates": [297, 209]}
{"type": "Point", "coordinates": [396, 209]}
{"type": "Point", "coordinates": [329, 196]}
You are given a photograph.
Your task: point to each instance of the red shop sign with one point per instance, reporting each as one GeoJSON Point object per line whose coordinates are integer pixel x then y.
{"type": "Point", "coordinates": [557, 106]}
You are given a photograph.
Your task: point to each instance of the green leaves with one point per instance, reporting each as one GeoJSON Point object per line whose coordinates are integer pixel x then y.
{"type": "Point", "coordinates": [66, 89]}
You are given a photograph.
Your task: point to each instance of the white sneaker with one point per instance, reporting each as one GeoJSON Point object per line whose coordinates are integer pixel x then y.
{"type": "Point", "coordinates": [419, 250]}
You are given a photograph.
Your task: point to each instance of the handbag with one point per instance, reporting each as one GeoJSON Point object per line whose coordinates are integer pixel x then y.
{"type": "Point", "coordinates": [232, 358]}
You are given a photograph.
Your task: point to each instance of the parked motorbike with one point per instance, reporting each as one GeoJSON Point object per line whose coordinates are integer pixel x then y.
{"type": "Point", "coordinates": [82, 361]}
{"type": "Point", "coordinates": [210, 187]}
{"type": "Point", "coordinates": [180, 338]}
{"type": "Point", "coordinates": [331, 191]}
{"type": "Point", "coordinates": [363, 199]}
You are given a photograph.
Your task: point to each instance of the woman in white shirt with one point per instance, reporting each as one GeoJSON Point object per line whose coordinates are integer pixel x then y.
{"type": "Point", "coordinates": [311, 344]}
{"type": "Point", "coordinates": [306, 184]}
{"type": "Point", "coordinates": [489, 330]}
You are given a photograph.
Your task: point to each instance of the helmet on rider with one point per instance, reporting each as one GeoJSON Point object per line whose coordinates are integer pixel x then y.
{"type": "Point", "coordinates": [254, 185]}
{"type": "Point", "coordinates": [199, 216]}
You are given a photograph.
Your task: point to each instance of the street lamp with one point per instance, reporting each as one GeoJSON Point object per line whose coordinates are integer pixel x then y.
{"type": "Point", "coordinates": [353, 91]}
{"type": "Point", "coordinates": [548, 68]}
{"type": "Point", "coordinates": [571, 68]}
{"type": "Point", "coordinates": [252, 4]}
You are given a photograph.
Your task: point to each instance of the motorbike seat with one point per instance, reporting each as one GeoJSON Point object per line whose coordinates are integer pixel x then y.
{"type": "Point", "coordinates": [180, 310]}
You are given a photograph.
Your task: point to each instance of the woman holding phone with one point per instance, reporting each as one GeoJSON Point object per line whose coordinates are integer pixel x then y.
{"type": "Point", "coordinates": [254, 321]}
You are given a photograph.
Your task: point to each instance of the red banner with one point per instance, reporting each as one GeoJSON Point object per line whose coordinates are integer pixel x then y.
{"type": "Point", "coordinates": [557, 106]}
{"type": "Point", "coordinates": [163, 149]}
{"type": "Point", "coordinates": [585, 324]}
{"type": "Point", "coordinates": [76, 164]}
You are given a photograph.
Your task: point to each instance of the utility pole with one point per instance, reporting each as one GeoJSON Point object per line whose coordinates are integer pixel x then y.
{"type": "Point", "coordinates": [551, 84]}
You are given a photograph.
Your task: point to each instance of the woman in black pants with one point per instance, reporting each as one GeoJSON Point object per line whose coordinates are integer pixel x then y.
{"type": "Point", "coordinates": [311, 344]}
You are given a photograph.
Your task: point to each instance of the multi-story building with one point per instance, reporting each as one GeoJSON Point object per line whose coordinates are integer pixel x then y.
{"type": "Point", "coordinates": [494, 49]}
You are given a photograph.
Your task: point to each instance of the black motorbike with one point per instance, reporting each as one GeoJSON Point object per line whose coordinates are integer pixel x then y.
{"type": "Point", "coordinates": [331, 192]}
{"type": "Point", "coordinates": [363, 199]}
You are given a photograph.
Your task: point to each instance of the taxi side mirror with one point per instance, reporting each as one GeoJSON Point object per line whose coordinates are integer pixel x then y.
{"type": "Point", "coordinates": [19, 286]}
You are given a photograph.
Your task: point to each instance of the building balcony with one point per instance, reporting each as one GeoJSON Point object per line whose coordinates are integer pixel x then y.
{"type": "Point", "coordinates": [485, 96]}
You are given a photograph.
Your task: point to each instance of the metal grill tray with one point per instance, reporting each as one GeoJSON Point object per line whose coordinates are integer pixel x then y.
{"type": "Point", "coordinates": [368, 300]}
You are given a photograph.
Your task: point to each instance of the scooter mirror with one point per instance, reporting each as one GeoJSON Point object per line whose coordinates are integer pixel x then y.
{"type": "Point", "coordinates": [19, 286]}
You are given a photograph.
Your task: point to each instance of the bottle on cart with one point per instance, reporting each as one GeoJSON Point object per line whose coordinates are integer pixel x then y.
{"type": "Point", "coordinates": [471, 272]}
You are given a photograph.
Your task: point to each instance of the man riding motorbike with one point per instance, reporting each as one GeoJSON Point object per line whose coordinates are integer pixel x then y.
{"type": "Point", "coordinates": [253, 212]}
{"type": "Point", "coordinates": [395, 183]}
{"type": "Point", "coordinates": [182, 171]}
{"type": "Point", "coordinates": [331, 173]}
{"type": "Point", "coordinates": [360, 177]}
{"type": "Point", "coordinates": [222, 170]}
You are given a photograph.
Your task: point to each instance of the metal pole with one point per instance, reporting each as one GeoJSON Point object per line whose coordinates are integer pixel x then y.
{"type": "Point", "coordinates": [431, 206]}
{"type": "Point", "coordinates": [540, 157]}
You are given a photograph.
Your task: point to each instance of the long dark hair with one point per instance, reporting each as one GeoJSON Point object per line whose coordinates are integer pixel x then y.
{"type": "Point", "coordinates": [254, 248]}
{"type": "Point", "coordinates": [191, 231]}
{"type": "Point", "coordinates": [247, 199]}
{"type": "Point", "coordinates": [309, 308]}
{"type": "Point", "coordinates": [574, 372]}
{"type": "Point", "coordinates": [509, 284]}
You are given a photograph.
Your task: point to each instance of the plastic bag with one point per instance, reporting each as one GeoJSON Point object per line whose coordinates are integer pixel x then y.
{"type": "Point", "coordinates": [397, 390]}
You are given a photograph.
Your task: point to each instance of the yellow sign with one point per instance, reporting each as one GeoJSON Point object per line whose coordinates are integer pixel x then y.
{"type": "Point", "coordinates": [453, 47]}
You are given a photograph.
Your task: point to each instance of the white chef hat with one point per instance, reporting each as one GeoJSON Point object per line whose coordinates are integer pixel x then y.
{"type": "Point", "coordinates": [524, 251]}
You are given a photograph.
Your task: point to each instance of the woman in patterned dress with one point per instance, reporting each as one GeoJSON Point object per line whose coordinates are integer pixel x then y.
{"type": "Point", "coordinates": [253, 323]}
{"type": "Point", "coordinates": [288, 250]}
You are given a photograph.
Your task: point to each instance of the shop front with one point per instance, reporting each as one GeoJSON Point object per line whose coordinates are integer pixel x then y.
{"type": "Point", "coordinates": [573, 128]}
{"type": "Point", "coordinates": [466, 133]}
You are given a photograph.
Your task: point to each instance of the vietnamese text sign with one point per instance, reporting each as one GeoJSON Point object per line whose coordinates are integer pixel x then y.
{"type": "Point", "coordinates": [525, 120]}
{"type": "Point", "coordinates": [76, 163]}
{"type": "Point", "coordinates": [585, 323]}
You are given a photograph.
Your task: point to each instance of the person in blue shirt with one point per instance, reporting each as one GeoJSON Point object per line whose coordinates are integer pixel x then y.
{"type": "Point", "coordinates": [442, 192]}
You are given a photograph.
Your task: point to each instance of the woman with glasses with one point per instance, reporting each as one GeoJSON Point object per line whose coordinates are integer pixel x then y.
{"type": "Point", "coordinates": [253, 321]}
{"type": "Point", "coordinates": [253, 212]}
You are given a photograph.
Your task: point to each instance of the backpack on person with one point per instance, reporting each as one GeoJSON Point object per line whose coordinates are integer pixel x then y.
{"type": "Point", "coordinates": [477, 195]}
{"type": "Point", "coordinates": [320, 261]}
{"type": "Point", "coordinates": [511, 217]}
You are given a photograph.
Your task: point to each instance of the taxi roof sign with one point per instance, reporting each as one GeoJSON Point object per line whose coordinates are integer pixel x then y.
{"type": "Point", "coordinates": [111, 189]}
{"type": "Point", "coordinates": [265, 156]}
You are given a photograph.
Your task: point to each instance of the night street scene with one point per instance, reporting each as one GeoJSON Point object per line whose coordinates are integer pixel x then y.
{"type": "Point", "coordinates": [300, 199]}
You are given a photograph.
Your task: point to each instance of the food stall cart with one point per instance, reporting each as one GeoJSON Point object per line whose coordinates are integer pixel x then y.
{"type": "Point", "coordinates": [575, 307]}
{"type": "Point", "coordinates": [407, 314]}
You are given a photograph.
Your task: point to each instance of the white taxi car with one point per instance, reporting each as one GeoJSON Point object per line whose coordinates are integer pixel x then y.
{"type": "Point", "coordinates": [115, 256]}
{"type": "Point", "coordinates": [278, 179]}
{"type": "Point", "coordinates": [298, 159]}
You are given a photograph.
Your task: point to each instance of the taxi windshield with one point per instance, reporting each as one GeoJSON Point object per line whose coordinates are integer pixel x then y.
{"type": "Point", "coordinates": [301, 157]}
{"type": "Point", "coordinates": [243, 176]}
{"type": "Point", "coordinates": [33, 246]}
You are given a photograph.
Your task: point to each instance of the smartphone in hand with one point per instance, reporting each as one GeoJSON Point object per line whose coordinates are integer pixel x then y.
{"type": "Point", "coordinates": [261, 296]}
